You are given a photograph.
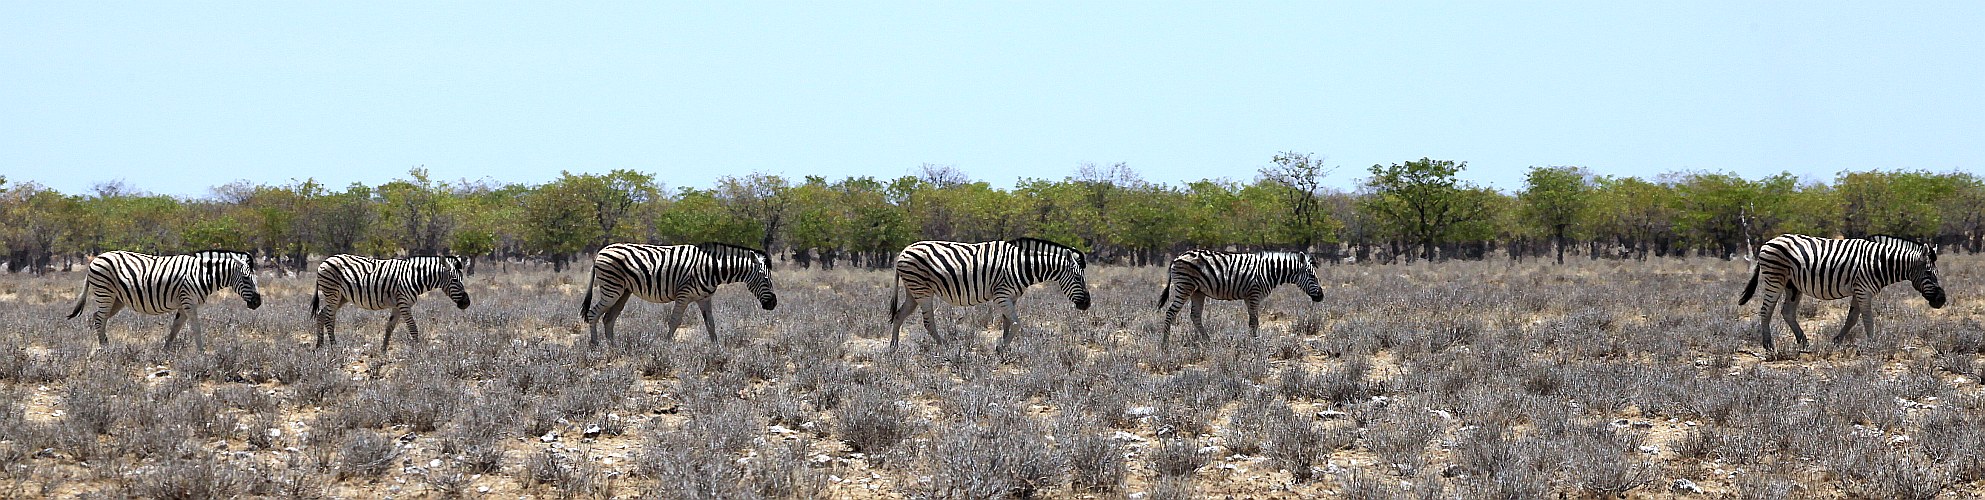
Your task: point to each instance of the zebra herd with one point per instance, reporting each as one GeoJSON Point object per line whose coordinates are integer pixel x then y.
{"type": "Point", "coordinates": [963, 274]}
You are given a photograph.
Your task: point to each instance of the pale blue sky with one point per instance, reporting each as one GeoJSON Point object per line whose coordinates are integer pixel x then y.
{"type": "Point", "coordinates": [177, 97]}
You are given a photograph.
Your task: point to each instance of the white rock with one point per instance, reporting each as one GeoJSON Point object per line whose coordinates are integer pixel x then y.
{"type": "Point", "coordinates": [1140, 411]}
{"type": "Point", "coordinates": [1650, 449]}
{"type": "Point", "coordinates": [434, 463]}
{"type": "Point", "coordinates": [549, 436]}
{"type": "Point", "coordinates": [1125, 436]}
{"type": "Point", "coordinates": [1688, 486]}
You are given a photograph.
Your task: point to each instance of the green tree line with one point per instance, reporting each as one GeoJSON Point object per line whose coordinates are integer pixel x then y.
{"type": "Point", "coordinates": [1415, 210]}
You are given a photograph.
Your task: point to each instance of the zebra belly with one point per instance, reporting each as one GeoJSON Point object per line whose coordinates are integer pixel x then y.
{"type": "Point", "coordinates": [164, 303]}
{"type": "Point", "coordinates": [371, 303]}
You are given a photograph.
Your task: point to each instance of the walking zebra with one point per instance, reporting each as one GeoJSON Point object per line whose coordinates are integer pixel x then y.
{"type": "Point", "coordinates": [680, 273]}
{"type": "Point", "coordinates": [153, 284]}
{"type": "Point", "coordinates": [376, 284]}
{"type": "Point", "coordinates": [967, 274]}
{"type": "Point", "coordinates": [1831, 269]}
{"type": "Point", "coordinates": [1200, 274]}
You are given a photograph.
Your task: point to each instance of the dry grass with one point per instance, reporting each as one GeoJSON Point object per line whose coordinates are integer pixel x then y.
{"type": "Point", "coordinates": [1470, 379]}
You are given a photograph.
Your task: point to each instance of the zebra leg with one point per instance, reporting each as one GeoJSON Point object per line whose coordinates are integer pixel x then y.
{"type": "Point", "coordinates": [199, 334]}
{"type": "Point", "coordinates": [413, 328]}
{"type": "Point", "coordinates": [675, 319]}
{"type": "Point", "coordinates": [1854, 312]}
{"type": "Point", "coordinates": [930, 322]}
{"type": "Point", "coordinates": [1254, 316]}
{"type": "Point", "coordinates": [709, 325]}
{"type": "Point", "coordinates": [1172, 307]}
{"type": "Point", "coordinates": [605, 311]}
{"type": "Point", "coordinates": [102, 316]}
{"type": "Point", "coordinates": [1199, 316]}
{"type": "Point", "coordinates": [611, 316]}
{"type": "Point", "coordinates": [1012, 316]}
{"type": "Point", "coordinates": [327, 320]}
{"type": "Point", "coordinates": [901, 313]}
{"type": "Point", "coordinates": [391, 323]}
{"type": "Point", "coordinates": [178, 320]}
{"type": "Point", "coordinates": [1789, 306]}
{"type": "Point", "coordinates": [1868, 315]}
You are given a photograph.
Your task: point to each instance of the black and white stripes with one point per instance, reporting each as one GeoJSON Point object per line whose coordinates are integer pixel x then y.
{"type": "Point", "coordinates": [1200, 274]}
{"type": "Point", "coordinates": [1829, 269]}
{"type": "Point", "coordinates": [681, 274]}
{"type": "Point", "coordinates": [152, 284]}
{"type": "Point", "coordinates": [972, 273]}
{"type": "Point", "coordinates": [379, 284]}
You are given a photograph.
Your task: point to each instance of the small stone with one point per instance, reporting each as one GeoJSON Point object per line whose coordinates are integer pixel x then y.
{"type": "Point", "coordinates": [1688, 486]}
{"type": "Point", "coordinates": [592, 430]}
{"type": "Point", "coordinates": [1140, 411]}
{"type": "Point", "coordinates": [1331, 414]}
{"type": "Point", "coordinates": [1125, 436]}
{"type": "Point", "coordinates": [1650, 449]}
{"type": "Point", "coordinates": [549, 436]}
{"type": "Point", "coordinates": [482, 489]}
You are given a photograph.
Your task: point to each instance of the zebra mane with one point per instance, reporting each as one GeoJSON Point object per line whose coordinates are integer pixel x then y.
{"type": "Point", "coordinates": [221, 251]}
{"type": "Point", "coordinates": [455, 261]}
{"type": "Point", "coordinates": [726, 248]}
{"type": "Point", "coordinates": [1910, 243]}
{"type": "Point", "coordinates": [1302, 256]}
{"type": "Point", "coordinates": [1081, 260]}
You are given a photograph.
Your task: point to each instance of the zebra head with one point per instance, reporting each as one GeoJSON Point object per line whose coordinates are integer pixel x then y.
{"type": "Point", "coordinates": [447, 270]}
{"type": "Point", "coordinates": [1061, 263]}
{"type": "Point", "coordinates": [1925, 278]}
{"type": "Point", "coordinates": [1919, 266]}
{"type": "Point", "coordinates": [752, 266]}
{"type": "Point", "coordinates": [759, 279]}
{"type": "Point", "coordinates": [237, 268]}
{"type": "Point", "coordinates": [1306, 278]}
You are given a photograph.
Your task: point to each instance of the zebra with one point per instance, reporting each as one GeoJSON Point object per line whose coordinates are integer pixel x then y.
{"type": "Point", "coordinates": [1250, 277]}
{"type": "Point", "coordinates": [376, 284]}
{"type": "Point", "coordinates": [967, 274]}
{"type": "Point", "coordinates": [153, 284]}
{"type": "Point", "coordinates": [1830, 269]}
{"type": "Point", "coordinates": [677, 273]}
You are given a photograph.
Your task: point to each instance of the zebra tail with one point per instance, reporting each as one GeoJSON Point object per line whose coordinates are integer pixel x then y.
{"type": "Point", "coordinates": [1165, 296]}
{"type": "Point", "coordinates": [1750, 288]}
{"type": "Point", "coordinates": [586, 305]}
{"type": "Point", "coordinates": [314, 297]}
{"type": "Point", "coordinates": [80, 300]}
{"type": "Point", "coordinates": [895, 294]}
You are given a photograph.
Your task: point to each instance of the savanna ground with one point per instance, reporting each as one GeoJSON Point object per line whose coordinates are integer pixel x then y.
{"type": "Point", "coordinates": [1466, 379]}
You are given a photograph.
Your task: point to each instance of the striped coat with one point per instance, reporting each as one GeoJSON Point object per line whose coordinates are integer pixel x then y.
{"type": "Point", "coordinates": [975, 273]}
{"type": "Point", "coordinates": [1201, 274]}
{"type": "Point", "coordinates": [152, 284]}
{"type": "Point", "coordinates": [681, 274]}
{"type": "Point", "coordinates": [1830, 269]}
{"type": "Point", "coordinates": [382, 284]}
